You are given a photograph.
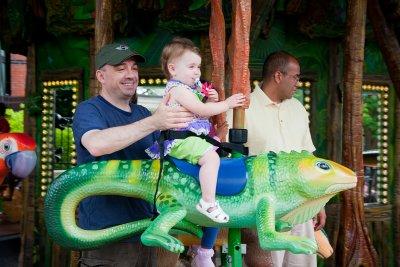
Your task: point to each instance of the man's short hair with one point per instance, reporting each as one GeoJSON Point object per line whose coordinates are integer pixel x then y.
{"type": "Point", "coordinates": [277, 61]}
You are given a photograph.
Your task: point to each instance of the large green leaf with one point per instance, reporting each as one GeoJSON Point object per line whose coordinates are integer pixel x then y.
{"type": "Point", "coordinates": [196, 4]}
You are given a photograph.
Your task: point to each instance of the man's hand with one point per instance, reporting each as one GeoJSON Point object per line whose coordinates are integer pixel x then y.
{"type": "Point", "coordinates": [213, 96]}
{"type": "Point", "coordinates": [320, 220]}
{"type": "Point", "coordinates": [167, 117]}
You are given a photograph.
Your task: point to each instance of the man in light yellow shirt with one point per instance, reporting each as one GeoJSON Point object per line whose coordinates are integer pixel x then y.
{"type": "Point", "coordinates": [278, 122]}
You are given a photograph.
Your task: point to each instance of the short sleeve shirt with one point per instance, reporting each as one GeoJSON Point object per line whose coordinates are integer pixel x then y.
{"type": "Point", "coordinates": [99, 212]}
{"type": "Point", "coordinates": [276, 126]}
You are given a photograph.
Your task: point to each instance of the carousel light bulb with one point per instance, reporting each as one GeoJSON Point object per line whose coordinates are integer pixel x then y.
{"type": "Point", "coordinates": [299, 84]}
{"type": "Point", "coordinates": [74, 97]}
{"type": "Point", "coordinates": [57, 83]}
{"type": "Point", "coordinates": [62, 83]}
{"type": "Point", "coordinates": [307, 99]}
{"type": "Point", "coordinates": [74, 103]}
{"type": "Point", "coordinates": [151, 81]}
{"type": "Point", "coordinates": [44, 181]}
{"type": "Point", "coordinates": [307, 84]}
{"type": "Point", "coordinates": [164, 81]}
{"type": "Point", "coordinates": [74, 82]}
{"type": "Point", "coordinates": [142, 81]}
{"type": "Point", "coordinates": [74, 89]}
{"type": "Point", "coordinates": [384, 201]}
{"type": "Point", "coordinates": [44, 187]}
{"type": "Point", "coordinates": [44, 83]}
{"type": "Point", "coordinates": [158, 81]}
{"type": "Point", "coordinates": [73, 161]}
{"type": "Point", "coordinates": [43, 194]}
{"type": "Point", "coordinates": [43, 173]}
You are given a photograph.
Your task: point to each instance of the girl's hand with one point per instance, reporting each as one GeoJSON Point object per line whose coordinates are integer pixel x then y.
{"type": "Point", "coordinates": [212, 96]}
{"type": "Point", "coordinates": [236, 100]}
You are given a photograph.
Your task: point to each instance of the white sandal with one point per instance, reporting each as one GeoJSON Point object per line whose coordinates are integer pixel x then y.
{"type": "Point", "coordinates": [217, 215]}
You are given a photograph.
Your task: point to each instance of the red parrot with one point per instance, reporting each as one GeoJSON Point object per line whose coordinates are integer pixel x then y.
{"type": "Point", "coordinates": [17, 155]}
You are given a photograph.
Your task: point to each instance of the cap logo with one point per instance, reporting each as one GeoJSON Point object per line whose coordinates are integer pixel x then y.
{"type": "Point", "coordinates": [122, 48]}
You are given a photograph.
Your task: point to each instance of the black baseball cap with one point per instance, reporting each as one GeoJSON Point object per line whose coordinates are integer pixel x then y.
{"type": "Point", "coordinates": [116, 53]}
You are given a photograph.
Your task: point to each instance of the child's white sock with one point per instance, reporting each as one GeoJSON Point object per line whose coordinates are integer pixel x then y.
{"type": "Point", "coordinates": [203, 257]}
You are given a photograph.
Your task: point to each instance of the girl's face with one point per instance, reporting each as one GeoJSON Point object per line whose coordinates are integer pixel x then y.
{"type": "Point", "coordinates": [186, 68]}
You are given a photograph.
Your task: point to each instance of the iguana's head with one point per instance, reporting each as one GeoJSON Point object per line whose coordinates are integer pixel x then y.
{"type": "Point", "coordinates": [323, 177]}
{"type": "Point", "coordinates": [17, 154]}
{"type": "Point", "coordinates": [311, 182]}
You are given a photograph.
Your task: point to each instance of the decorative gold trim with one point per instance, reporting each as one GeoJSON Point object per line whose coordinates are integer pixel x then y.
{"type": "Point", "coordinates": [383, 166]}
{"type": "Point", "coordinates": [46, 167]}
{"type": "Point", "coordinates": [152, 81]}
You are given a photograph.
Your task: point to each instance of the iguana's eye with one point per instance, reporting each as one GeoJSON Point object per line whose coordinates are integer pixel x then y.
{"type": "Point", "coordinates": [323, 165]}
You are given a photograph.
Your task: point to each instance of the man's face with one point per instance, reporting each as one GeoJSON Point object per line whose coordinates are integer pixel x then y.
{"type": "Point", "coordinates": [288, 83]}
{"type": "Point", "coordinates": [120, 81]}
{"type": "Point", "coordinates": [186, 68]}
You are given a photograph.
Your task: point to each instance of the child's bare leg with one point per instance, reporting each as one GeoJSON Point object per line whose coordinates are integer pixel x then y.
{"type": "Point", "coordinates": [209, 163]}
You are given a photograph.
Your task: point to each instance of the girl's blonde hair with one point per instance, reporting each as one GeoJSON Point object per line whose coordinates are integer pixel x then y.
{"type": "Point", "coordinates": [175, 49]}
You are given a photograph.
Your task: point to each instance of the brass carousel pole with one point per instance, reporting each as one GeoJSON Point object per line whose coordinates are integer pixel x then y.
{"type": "Point", "coordinates": [238, 52]}
{"type": "Point", "coordinates": [354, 246]}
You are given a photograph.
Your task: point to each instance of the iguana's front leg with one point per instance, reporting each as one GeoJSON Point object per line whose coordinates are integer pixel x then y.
{"type": "Point", "coordinates": [171, 212]}
{"type": "Point", "coordinates": [270, 239]}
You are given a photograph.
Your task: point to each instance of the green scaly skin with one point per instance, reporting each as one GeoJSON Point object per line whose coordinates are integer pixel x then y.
{"type": "Point", "coordinates": [283, 190]}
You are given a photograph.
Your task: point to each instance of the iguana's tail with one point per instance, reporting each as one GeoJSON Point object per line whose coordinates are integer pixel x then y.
{"type": "Point", "coordinates": [70, 188]}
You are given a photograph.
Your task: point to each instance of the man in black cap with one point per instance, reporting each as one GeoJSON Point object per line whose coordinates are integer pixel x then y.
{"type": "Point", "coordinates": [109, 126]}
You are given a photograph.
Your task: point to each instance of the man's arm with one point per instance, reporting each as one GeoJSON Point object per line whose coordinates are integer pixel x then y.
{"type": "Point", "coordinates": [320, 220]}
{"type": "Point", "coordinates": [107, 141]}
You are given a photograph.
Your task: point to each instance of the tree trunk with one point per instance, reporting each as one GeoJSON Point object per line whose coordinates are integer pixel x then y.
{"type": "Point", "coordinates": [387, 41]}
{"type": "Point", "coordinates": [238, 52]}
{"type": "Point", "coordinates": [354, 246]}
{"type": "Point", "coordinates": [26, 257]}
{"type": "Point", "coordinates": [103, 31]}
{"type": "Point", "coordinates": [334, 135]}
{"type": "Point", "coordinates": [217, 44]}
{"type": "Point", "coordinates": [396, 211]}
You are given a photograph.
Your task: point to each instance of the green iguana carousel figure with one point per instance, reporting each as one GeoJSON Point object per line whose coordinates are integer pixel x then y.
{"type": "Point", "coordinates": [271, 192]}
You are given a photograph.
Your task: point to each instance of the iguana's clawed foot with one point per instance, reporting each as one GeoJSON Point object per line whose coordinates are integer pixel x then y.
{"type": "Point", "coordinates": [295, 244]}
{"type": "Point", "coordinates": [163, 240]}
